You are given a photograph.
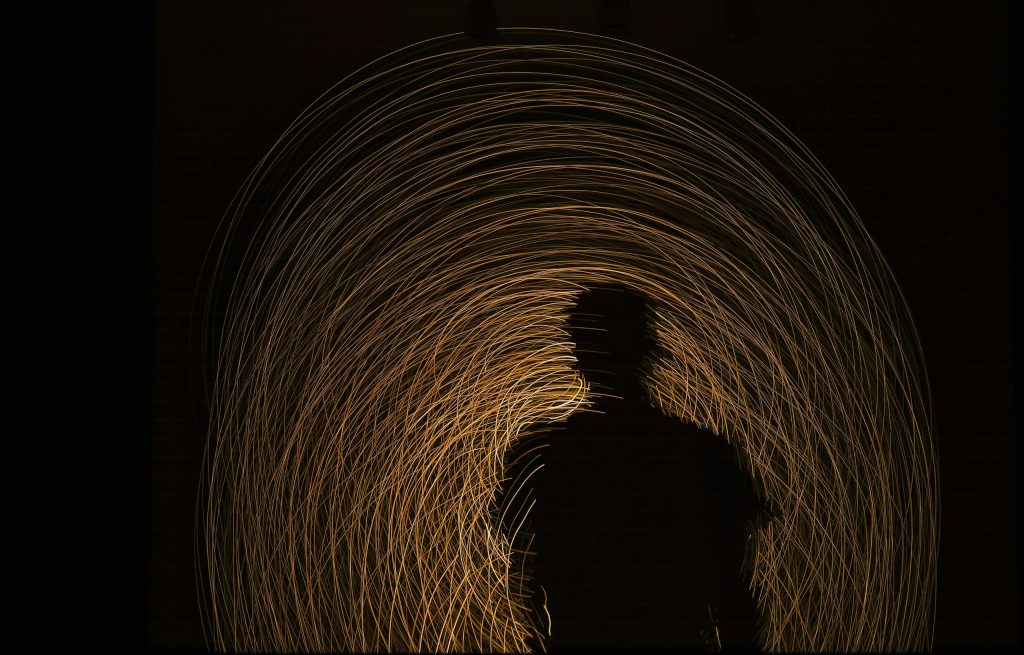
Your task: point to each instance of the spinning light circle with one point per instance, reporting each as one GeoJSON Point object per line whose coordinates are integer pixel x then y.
{"type": "Point", "coordinates": [399, 325]}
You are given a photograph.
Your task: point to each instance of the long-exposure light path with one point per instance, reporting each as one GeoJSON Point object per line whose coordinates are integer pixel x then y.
{"type": "Point", "coordinates": [398, 326]}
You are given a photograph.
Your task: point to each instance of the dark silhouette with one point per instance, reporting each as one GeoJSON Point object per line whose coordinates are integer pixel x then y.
{"type": "Point", "coordinates": [641, 521]}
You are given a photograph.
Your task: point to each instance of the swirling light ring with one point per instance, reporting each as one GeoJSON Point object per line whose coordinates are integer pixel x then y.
{"type": "Point", "coordinates": [399, 327]}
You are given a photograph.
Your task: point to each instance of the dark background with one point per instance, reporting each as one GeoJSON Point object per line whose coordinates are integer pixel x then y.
{"type": "Point", "coordinates": [906, 106]}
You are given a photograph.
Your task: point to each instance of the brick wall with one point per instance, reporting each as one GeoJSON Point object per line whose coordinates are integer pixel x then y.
{"type": "Point", "coordinates": [904, 106]}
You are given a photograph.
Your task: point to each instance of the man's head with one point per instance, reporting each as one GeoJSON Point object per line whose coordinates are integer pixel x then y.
{"type": "Point", "coordinates": [609, 327]}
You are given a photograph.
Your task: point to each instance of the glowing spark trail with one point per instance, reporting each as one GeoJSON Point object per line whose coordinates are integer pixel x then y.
{"type": "Point", "coordinates": [398, 326]}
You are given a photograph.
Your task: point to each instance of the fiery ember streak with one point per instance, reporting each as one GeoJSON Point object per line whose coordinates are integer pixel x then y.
{"type": "Point", "coordinates": [398, 324]}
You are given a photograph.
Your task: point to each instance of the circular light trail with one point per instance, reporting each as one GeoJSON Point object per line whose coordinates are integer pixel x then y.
{"type": "Point", "coordinates": [398, 326]}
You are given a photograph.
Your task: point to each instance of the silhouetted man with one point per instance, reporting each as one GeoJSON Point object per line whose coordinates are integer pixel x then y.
{"type": "Point", "coordinates": [640, 520]}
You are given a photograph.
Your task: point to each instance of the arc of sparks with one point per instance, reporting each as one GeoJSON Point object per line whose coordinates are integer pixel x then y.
{"type": "Point", "coordinates": [398, 326]}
